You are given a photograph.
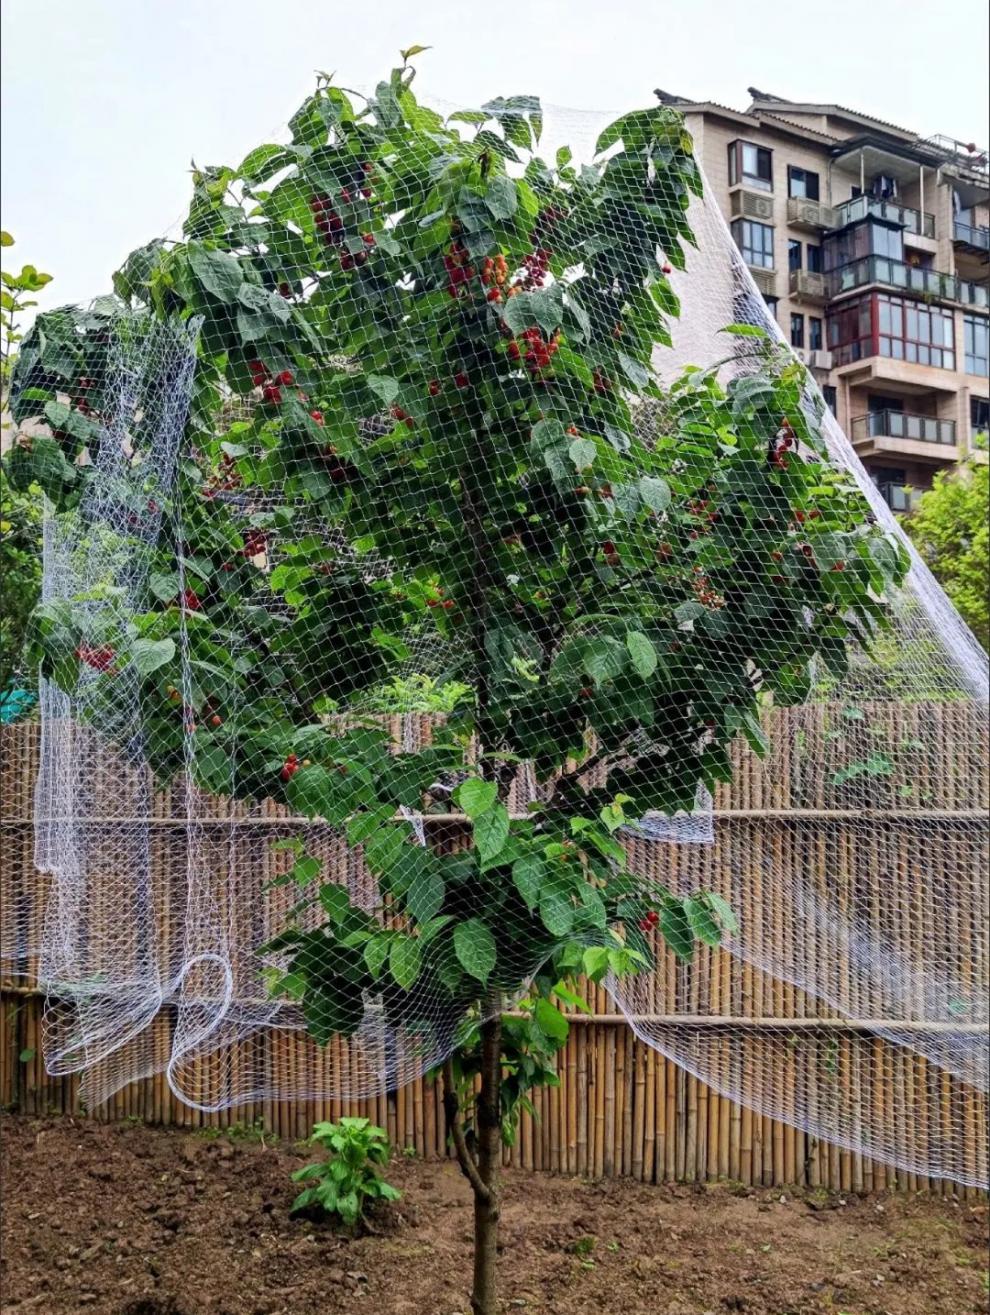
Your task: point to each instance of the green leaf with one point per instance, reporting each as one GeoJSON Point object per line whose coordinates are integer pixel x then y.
{"type": "Point", "coordinates": [305, 869]}
{"type": "Point", "coordinates": [556, 912]}
{"type": "Point", "coordinates": [722, 910]}
{"type": "Point", "coordinates": [551, 1021]}
{"type": "Point", "coordinates": [474, 946]}
{"type": "Point", "coordinates": [500, 197]}
{"type": "Point", "coordinates": [491, 831]}
{"type": "Point", "coordinates": [425, 895]}
{"type": "Point", "coordinates": [634, 371]}
{"type": "Point", "coordinates": [675, 927]}
{"type": "Point", "coordinates": [150, 654]}
{"type": "Point", "coordinates": [643, 653]}
{"type": "Point", "coordinates": [595, 962]}
{"type": "Point", "coordinates": [383, 386]}
{"type": "Point", "coordinates": [375, 954]}
{"type": "Point", "coordinates": [745, 330]}
{"type": "Point", "coordinates": [413, 50]}
{"type": "Point", "coordinates": [527, 876]}
{"type": "Point", "coordinates": [336, 902]}
{"type": "Point", "coordinates": [219, 272]}
{"type": "Point", "coordinates": [703, 925]}
{"type": "Point", "coordinates": [476, 796]}
{"type": "Point", "coordinates": [655, 493]}
{"type": "Point", "coordinates": [404, 960]}
{"type": "Point", "coordinates": [582, 452]}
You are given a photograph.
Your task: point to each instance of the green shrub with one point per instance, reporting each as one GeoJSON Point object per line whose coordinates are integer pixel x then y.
{"type": "Point", "coordinates": [348, 1179]}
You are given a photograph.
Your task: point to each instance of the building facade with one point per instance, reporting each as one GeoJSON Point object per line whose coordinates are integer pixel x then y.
{"type": "Point", "coordinates": [871, 248]}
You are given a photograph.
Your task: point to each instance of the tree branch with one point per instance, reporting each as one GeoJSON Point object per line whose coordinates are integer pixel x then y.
{"type": "Point", "coordinates": [455, 1131]}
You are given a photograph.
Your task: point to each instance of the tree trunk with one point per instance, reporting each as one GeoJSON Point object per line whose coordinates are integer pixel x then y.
{"type": "Point", "coordinates": [486, 1206]}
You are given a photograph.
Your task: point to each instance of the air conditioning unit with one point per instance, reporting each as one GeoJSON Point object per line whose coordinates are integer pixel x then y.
{"type": "Point", "coordinates": [752, 205]}
{"type": "Point", "coordinates": [820, 360]}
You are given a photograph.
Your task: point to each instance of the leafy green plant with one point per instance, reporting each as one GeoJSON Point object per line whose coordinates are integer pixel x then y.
{"type": "Point", "coordinates": [950, 526]}
{"type": "Point", "coordinates": [621, 596]}
{"type": "Point", "coordinates": [348, 1180]}
{"type": "Point", "coordinates": [20, 512]}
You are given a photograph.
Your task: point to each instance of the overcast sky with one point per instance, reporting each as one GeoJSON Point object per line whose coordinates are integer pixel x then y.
{"type": "Point", "coordinates": [106, 101]}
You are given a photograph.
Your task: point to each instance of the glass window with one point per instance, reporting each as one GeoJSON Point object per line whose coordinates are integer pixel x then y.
{"type": "Point", "coordinates": [751, 165]}
{"type": "Point", "coordinates": [815, 337]}
{"type": "Point", "coordinates": [979, 414]}
{"type": "Point", "coordinates": [772, 304]}
{"type": "Point", "coordinates": [976, 336]}
{"type": "Point", "coordinates": [793, 254]}
{"type": "Point", "coordinates": [755, 241]}
{"type": "Point", "coordinates": [885, 241]}
{"type": "Point", "coordinates": [831, 396]}
{"type": "Point", "coordinates": [802, 182]}
{"type": "Point", "coordinates": [885, 325]}
{"type": "Point", "coordinates": [797, 330]}
{"type": "Point", "coordinates": [814, 258]}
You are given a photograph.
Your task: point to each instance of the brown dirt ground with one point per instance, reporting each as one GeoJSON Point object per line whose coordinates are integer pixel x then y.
{"type": "Point", "coordinates": [133, 1220]}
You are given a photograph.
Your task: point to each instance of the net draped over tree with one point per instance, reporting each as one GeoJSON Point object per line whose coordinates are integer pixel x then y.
{"type": "Point", "coordinates": [416, 406]}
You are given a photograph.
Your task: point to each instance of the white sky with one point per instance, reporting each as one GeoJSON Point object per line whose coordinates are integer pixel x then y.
{"type": "Point", "coordinates": [105, 102]}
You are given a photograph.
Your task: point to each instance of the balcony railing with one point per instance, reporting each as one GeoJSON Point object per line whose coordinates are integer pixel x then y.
{"type": "Point", "coordinates": [807, 285]}
{"type": "Point", "coordinates": [913, 278]}
{"type": "Point", "coordinates": [903, 424]}
{"type": "Point", "coordinates": [915, 221]}
{"type": "Point", "coordinates": [974, 235]}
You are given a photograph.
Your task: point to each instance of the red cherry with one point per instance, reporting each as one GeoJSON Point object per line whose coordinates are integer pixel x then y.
{"type": "Point", "coordinates": [368, 239]}
{"type": "Point", "coordinates": [271, 394]}
{"type": "Point", "coordinates": [191, 600]}
{"type": "Point", "coordinates": [513, 350]}
{"type": "Point", "coordinates": [345, 194]}
{"type": "Point", "coordinates": [317, 416]}
{"type": "Point", "coordinates": [360, 257]}
{"type": "Point", "coordinates": [433, 387]}
{"type": "Point", "coordinates": [666, 269]}
{"type": "Point", "coordinates": [461, 380]}
{"type": "Point", "coordinates": [216, 721]}
{"type": "Point", "coordinates": [284, 377]}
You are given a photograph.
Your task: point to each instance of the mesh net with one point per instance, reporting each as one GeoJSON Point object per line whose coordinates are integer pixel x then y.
{"type": "Point", "coordinates": [434, 591]}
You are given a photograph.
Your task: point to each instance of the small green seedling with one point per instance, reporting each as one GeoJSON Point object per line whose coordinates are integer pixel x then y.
{"type": "Point", "coordinates": [348, 1179]}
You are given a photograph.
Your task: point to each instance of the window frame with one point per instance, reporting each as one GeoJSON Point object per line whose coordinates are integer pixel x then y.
{"type": "Point", "coordinates": [869, 340]}
{"type": "Point", "coordinates": [816, 333]}
{"type": "Point", "coordinates": [795, 248]}
{"type": "Point", "coordinates": [797, 330]}
{"type": "Point", "coordinates": [737, 172]}
{"type": "Point", "coordinates": [976, 363]}
{"type": "Point", "coordinates": [793, 169]}
{"type": "Point", "coordinates": [739, 233]}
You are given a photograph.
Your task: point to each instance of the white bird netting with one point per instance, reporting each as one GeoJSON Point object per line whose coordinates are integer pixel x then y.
{"type": "Point", "coordinates": [385, 476]}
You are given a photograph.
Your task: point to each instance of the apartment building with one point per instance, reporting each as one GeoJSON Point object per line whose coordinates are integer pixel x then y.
{"type": "Point", "coordinates": [870, 245]}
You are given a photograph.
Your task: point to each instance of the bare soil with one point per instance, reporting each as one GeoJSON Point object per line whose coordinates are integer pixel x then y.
{"type": "Point", "coordinates": [134, 1220]}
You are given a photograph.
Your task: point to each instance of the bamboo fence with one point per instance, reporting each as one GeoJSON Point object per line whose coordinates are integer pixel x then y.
{"type": "Point", "coordinates": [622, 1108]}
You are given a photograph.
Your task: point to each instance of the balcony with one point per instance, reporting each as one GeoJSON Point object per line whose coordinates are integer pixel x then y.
{"type": "Point", "coordinates": [860, 207]}
{"type": "Point", "coordinates": [930, 284]}
{"type": "Point", "coordinates": [811, 215]}
{"type": "Point", "coordinates": [807, 286]}
{"type": "Point", "coordinates": [974, 236]}
{"type": "Point", "coordinates": [886, 433]}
